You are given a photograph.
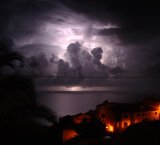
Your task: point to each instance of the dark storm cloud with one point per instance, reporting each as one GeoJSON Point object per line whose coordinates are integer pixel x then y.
{"type": "Point", "coordinates": [138, 30]}
{"type": "Point", "coordinates": [10, 9]}
{"type": "Point", "coordinates": [88, 62]}
{"type": "Point", "coordinates": [35, 48]}
{"type": "Point", "coordinates": [6, 43]}
{"type": "Point", "coordinates": [81, 64]}
{"type": "Point", "coordinates": [73, 52]}
{"type": "Point", "coordinates": [132, 15]}
{"type": "Point", "coordinates": [37, 26]}
{"type": "Point", "coordinates": [34, 65]}
{"type": "Point", "coordinates": [23, 20]}
{"type": "Point", "coordinates": [97, 55]}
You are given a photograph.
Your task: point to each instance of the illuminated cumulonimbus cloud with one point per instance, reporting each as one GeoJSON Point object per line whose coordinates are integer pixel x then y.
{"type": "Point", "coordinates": [73, 27]}
{"type": "Point", "coordinates": [54, 29]}
{"type": "Point", "coordinates": [50, 26]}
{"type": "Point", "coordinates": [44, 38]}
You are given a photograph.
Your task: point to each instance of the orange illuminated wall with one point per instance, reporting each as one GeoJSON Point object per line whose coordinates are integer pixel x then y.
{"type": "Point", "coordinates": [137, 117]}
{"type": "Point", "coordinates": [69, 134]}
{"type": "Point", "coordinates": [79, 118]}
{"type": "Point", "coordinates": [134, 113]}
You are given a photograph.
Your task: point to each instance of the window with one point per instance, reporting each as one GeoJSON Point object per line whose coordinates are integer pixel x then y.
{"type": "Point", "coordinates": [155, 113]}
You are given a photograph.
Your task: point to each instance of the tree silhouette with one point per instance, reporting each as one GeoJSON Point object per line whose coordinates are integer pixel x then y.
{"type": "Point", "coordinates": [18, 91]}
{"type": "Point", "coordinates": [17, 94]}
{"type": "Point", "coordinates": [7, 56]}
{"type": "Point", "coordinates": [22, 116]}
{"type": "Point", "coordinates": [143, 133]}
{"type": "Point", "coordinates": [92, 128]}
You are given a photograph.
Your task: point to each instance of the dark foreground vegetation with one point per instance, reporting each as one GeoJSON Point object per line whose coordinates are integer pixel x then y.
{"type": "Point", "coordinates": [22, 119]}
{"type": "Point", "coordinates": [144, 133]}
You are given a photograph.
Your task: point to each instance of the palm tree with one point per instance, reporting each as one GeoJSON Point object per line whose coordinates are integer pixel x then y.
{"type": "Point", "coordinates": [7, 57]}
{"type": "Point", "coordinates": [19, 111]}
{"type": "Point", "coordinates": [43, 112]}
{"type": "Point", "coordinates": [17, 96]}
{"type": "Point", "coordinates": [18, 100]}
{"type": "Point", "coordinates": [21, 90]}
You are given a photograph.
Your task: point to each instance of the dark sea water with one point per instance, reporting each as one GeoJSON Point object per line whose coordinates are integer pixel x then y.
{"type": "Point", "coordinates": [74, 102]}
{"type": "Point", "coordinates": [70, 103]}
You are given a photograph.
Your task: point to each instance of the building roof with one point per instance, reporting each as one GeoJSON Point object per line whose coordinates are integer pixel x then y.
{"type": "Point", "coordinates": [148, 104]}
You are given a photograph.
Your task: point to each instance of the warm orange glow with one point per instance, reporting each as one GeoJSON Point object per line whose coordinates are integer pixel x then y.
{"type": "Point", "coordinates": [158, 109]}
{"type": "Point", "coordinates": [110, 128]}
{"type": "Point", "coordinates": [78, 119]}
{"type": "Point", "coordinates": [126, 123]}
{"type": "Point", "coordinates": [69, 134]}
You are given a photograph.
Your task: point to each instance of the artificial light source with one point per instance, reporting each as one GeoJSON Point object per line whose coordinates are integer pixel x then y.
{"type": "Point", "coordinates": [110, 128]}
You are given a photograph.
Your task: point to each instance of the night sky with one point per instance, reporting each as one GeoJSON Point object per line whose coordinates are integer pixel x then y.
{"type": "Point", "coordinates": [91, 45]}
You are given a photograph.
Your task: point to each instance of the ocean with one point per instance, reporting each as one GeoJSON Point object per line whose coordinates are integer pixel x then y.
{"type": "Point", "coordinates": [71, 103]}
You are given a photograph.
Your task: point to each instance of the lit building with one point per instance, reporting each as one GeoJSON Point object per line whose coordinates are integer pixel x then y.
{"type": "Point", "coordinates": [118, 116]}
{"type": "Point", "coordinates": [68, 123]}
{"type": "Point", "coordinates": [77, 119]}
{"type": "Point", "coordinates": [115, 116]}
{"type": "Point", "coordinates": [69, 134]}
